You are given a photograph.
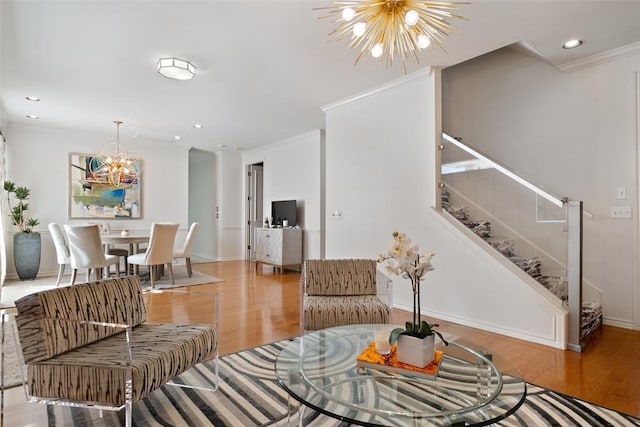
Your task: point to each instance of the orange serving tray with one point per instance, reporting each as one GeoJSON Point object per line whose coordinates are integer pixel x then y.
{"type": "Point", "coordinates": [370, 358]}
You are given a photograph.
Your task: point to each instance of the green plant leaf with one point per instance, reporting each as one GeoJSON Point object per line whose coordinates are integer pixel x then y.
{"type": "Point", "coordinates": [393, 336]}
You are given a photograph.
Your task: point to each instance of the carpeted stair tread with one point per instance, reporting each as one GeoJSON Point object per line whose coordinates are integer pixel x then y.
{"type": "Point", "coordinates": [591, 311]}
{"type": "Point", "coordinates": [505, 246]}
{"type": "Point", "coordinates": [556, 285]}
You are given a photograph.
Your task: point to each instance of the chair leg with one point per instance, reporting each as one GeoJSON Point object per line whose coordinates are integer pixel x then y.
{"type": "Point", "coordinates": [74, 273]}
{"type": "Point", "coordinates": [170, 266]}
{"type": "Point", "coordinates": [118, 269]}
{"type": "Point", "coordinates": [189, 271]}
{"type": "Point", "coordinates": [152, 276]}
{"type": "Point", "coordinates": [60, 273]}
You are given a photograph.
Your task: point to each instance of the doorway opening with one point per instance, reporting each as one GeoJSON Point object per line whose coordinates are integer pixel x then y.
{"type": "Point", "coordinates": [255, 205]}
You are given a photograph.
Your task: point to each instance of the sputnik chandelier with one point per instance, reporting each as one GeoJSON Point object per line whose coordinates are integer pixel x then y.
{"type": "Point", "coordinates": [114, 168]}
{"type": "Point", "coordinates": [392, 28]}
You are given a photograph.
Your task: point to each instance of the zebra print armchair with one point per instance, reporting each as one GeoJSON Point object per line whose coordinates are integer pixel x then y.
{"type": "Point", "coordinates": [339, 292]}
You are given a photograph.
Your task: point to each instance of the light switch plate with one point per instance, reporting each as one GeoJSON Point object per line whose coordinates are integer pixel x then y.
{"type": "Point", "coordinates": [621, 212]}
{"type": "Point", "coordinates": [621, 193]}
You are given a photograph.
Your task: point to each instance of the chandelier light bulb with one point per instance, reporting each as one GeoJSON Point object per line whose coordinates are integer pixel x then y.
{"type": "Point", "coordinates": [404, 27]}
{"type": "Point", "coordinates": [348, 13]}
{"type": "Point", "coordinates": [359, 29]}
{"type": "Point", "coordinates": [411, 18]}
{"type": "Point", "coordinates": [376, 51]}
{"type": "Point", "coordinates": [423, 41]}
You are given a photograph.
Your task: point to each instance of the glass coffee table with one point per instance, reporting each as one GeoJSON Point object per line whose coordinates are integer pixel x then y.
{"type": "Point", "coordinates": [472, 386]}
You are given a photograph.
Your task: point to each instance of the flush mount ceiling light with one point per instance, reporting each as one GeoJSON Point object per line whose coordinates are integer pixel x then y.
{"type": "Point", "coordinates": [390, 28]}
{"type": "Point", "coordinates": [177, 69]}
{"type": "Point", "coordinates": [113, 168]}
{"type": "Point", "coordinates": [571, 44]}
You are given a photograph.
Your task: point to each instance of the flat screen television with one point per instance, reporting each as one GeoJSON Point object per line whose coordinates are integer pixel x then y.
{"type": "Point", "coordinates": [281, 210]}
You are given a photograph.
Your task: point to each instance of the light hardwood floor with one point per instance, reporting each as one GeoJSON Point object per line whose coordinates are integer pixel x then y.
{"type": "Point", "coordinates": [262, 307]}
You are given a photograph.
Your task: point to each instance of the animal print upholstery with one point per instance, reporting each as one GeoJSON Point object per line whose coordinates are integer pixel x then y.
{"type": "Point", "coordinates": [89, 363]}
{"type": "Point", "coordinates": [341, 292]}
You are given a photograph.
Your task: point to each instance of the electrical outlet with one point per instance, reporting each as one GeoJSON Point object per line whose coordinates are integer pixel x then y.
{"type": "Point", "coordinates": [621, 212]}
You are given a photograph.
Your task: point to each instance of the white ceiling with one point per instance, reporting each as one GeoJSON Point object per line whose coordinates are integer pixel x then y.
{"type": "Point", "coordinates": [265, 68]}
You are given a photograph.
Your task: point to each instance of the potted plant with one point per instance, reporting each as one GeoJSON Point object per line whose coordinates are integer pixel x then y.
{"type": "Point", "coordinates": [26, 243]}
{"type": "Point", "coordinates": [416, 343]}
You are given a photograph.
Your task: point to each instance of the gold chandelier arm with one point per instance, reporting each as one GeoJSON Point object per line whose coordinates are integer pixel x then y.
{"type": "Point", "coordinates": [384, 28]}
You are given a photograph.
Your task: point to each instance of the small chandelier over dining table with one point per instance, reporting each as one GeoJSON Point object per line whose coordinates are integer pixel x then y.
{"type": "Point", "coordinates": [391, 28]}
{"type": "Point", "coordinates": [113, 168]}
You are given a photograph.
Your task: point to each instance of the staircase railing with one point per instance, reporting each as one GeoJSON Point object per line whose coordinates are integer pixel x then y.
{"type": "Point", "coordinates": [481, 179]}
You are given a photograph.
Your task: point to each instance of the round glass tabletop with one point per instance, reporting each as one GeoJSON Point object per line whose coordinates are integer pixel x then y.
{"type": "Point", "coordinates": [471, 387]}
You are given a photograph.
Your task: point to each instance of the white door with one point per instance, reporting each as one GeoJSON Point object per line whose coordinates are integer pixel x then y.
{"type": "Point", "coordinates": [254, 206]}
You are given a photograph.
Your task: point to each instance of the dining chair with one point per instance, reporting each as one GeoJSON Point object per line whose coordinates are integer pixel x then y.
{"type": "Point", "coordinates": [110, 249]}
{"type": "Point", "coordinates": [159, 250]}
{"type": "Point", "coordinates": [87, 251]}
{"type": "Point", "coordinates": [62, 249]}
{"type": "Point", "coordinates": [185, 250]}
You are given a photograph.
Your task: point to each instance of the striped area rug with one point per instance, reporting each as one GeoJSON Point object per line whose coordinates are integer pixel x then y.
{"type": "Point", "coordinates": [249, 395]}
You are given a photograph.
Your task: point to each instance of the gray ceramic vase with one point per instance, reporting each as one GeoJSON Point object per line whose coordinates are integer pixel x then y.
{"type": "Point", "coordinates": [26, 254]}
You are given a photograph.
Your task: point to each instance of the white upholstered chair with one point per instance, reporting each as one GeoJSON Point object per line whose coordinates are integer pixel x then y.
{"type": "Point", "coordinates": [112, 250]}
{"type": "Point", "coordinates": [187, 247]}
{"type": "Point", "coordinates": [62, 250]}
{"type": "Point", "coordinates": [159, 250]}
{"type": "Point", "coordinates": [87, 251]}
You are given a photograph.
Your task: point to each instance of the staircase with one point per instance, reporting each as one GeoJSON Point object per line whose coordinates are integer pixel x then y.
{"type": "Point", "coordinates": [591, 316]}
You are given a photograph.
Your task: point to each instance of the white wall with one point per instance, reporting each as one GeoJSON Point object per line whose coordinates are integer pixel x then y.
{"type": "Point", "coordinates": [38, 158]}
{"type": "Point", "coordinates": [574, 133]}
{"type": "Point", "coordinates": [230, 190]}
{"type": "Point", "coordinates": [293, 170]}
{"type": "Point", "coordinates": [380, 174]}
{"type": "Point", "coordinates": [203, 199]}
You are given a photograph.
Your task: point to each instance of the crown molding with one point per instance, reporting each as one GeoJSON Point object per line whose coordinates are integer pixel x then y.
{"type": "Point", "coordinates": [377, 89]}
{"type": "Point", "coordinates": [600, 58]}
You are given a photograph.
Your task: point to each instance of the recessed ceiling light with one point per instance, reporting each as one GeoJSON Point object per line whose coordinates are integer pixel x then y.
{"type": "Point", "coordinates": [570, 44]}
{"type": "Point", "coordinates": [32, 98]}
{"type": "Point", "coordinates": [31, 116]}
{"type": "Point", "coordinates": [197, 126]}
{"type": "Point", "coordinates": [222, 145]}
{"type": "Point", "coordinates": [177, 137]}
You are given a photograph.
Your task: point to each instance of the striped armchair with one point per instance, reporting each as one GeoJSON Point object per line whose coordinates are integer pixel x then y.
{"type": "Point", "coordinates": [343, 292]}
{"type": "Point", "coordinates": [89, 345]}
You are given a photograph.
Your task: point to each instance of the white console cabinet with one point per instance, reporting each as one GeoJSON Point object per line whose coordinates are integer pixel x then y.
{"type": "Point", "coordinates": [280, 247]}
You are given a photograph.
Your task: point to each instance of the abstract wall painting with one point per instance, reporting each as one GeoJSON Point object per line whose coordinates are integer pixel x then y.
{"type": "Point", "coordinates": [91, 196]}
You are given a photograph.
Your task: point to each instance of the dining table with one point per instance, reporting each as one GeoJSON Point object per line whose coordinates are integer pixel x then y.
{"type": "Point", "coordinates": [133, 239]}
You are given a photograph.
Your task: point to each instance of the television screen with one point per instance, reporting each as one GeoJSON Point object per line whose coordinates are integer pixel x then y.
{"type": "Point", "coordinates": [281, 210]}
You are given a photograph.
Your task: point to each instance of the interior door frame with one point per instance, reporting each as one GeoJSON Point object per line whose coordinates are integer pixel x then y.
{"type": "Point", "coordinates": [254, 208]}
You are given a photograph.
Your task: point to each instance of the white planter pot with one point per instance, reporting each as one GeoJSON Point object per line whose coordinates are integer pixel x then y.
{"type": "Point", "coordinates": [415, 351]}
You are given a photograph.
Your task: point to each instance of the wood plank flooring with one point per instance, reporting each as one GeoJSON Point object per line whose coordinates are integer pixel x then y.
{"type": "Point", "coordinates": [262, 307]}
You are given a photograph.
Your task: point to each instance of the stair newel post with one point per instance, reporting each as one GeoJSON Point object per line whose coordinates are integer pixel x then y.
{"type": "Point", "coordinates": [574, 273]}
